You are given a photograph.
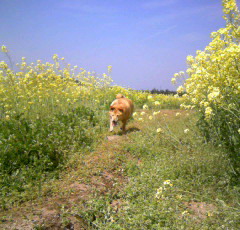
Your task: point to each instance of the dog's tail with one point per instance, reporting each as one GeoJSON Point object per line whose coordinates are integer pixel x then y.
{"type": "Point", "coordinates": [119, 96]}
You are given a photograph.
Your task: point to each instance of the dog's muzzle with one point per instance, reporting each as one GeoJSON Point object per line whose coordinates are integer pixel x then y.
{"type": "Point", "coordinates": [113, 124]}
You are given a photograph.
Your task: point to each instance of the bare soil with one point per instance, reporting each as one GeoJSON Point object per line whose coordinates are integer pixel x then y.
{"type": "Point", "coordinates": [99, 173]}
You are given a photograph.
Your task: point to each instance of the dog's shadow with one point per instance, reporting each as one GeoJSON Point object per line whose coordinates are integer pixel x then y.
{"type": "Point", "coordinates": [130, 130]}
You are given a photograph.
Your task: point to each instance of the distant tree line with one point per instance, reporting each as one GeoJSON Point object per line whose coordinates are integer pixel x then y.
{"type": "Point", "coordinates": [153, 91]}
{"type": "Point", "coordinates": [160, 91]}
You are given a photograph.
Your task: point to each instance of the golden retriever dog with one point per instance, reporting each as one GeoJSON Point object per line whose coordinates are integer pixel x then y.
{"type": "Point", "coordinates": [121, 109]}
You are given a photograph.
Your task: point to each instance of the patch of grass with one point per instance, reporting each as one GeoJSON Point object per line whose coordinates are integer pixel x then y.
{"type": "Point", "coordinates": [178, 182]}
{"type": "Point", "coordinates": [144, 180]}
{"type": "Point", "coordinates": [32, 151]}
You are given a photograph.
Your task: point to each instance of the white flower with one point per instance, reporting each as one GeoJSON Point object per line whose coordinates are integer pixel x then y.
{"type": "Point", "coordinates": [167, 182]}
{"type": "Point", "coordinates": [145, 107]}
{"type": "Point", "coordinates": [159, 193]}
{"type": "Point", "coordinates": [186, 131]}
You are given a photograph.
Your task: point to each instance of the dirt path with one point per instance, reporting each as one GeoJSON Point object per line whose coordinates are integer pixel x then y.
{"type": "Point", "coordinates": [97, 173]}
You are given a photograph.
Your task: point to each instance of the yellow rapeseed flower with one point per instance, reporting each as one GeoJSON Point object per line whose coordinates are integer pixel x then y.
{"type": "Point", "coordinates": [156, 113]}
{"type": "Point", "coordinates": [109, 69]}
{"type": "Point", "coordinates": [185, 213]}
{"type": "Point", "coordinates": [4, 49]}
{"type": "Point", "coordinates": [173, 80]}
{"type": "Point", "coordinates": [208, 112]}
{"type": "Point", "coordinates": [180, 89]}
{"type": "Point", "coordinates": [179, 197]}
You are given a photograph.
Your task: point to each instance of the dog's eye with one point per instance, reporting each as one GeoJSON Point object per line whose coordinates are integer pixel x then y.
{"type": "Point", "coordinates": [121, 110]}
{"type": "Point", "coordinates": [112, 109]}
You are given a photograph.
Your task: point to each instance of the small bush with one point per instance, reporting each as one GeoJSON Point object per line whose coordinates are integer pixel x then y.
{"type": "Point", "coordinates": [42, 145]}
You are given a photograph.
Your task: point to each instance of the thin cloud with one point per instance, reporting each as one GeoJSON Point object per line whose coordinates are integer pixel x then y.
{"type": "Point", "coordinates": [184, 12]}
{"type": "Point", "coordinates": [157, 4]}
{"type": "Point", "coordinates": [87, 7]}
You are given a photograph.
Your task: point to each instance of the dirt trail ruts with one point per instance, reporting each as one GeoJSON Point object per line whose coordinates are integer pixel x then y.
{"type": "Point", "coordinates": [100, 172]}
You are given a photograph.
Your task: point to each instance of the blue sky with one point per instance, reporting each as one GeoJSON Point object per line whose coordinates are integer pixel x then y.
{"type": "Point", "coordinates": [146, 42]}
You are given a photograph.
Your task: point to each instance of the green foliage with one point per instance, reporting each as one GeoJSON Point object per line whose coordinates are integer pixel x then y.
{"type": "Point", "coordinates": [176, 170]}
{"type": "Point", "coordinates": [29, 149]}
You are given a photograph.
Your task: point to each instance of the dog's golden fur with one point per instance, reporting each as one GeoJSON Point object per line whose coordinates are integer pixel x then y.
{"type": "Point", "coordinates": [121, 109]}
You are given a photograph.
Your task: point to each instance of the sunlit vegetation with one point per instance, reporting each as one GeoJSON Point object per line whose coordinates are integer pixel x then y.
{"type": "Point", "coordinates": [50, 110]}
{"type": "Point", "coordinates": [213, 87]}
{"type": "Point", "coordinates": [177, 167]}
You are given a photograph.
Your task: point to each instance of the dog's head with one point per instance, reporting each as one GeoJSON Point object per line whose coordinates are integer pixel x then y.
{"type": "Point", "coordinates": [116, 114]}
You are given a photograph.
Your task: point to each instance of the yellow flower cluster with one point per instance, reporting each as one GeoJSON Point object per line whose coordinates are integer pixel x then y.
{"type": "Point", "coordinates": [213, 86]}
{"type": "Point", "coordinates": [214, 73]}
{"type": "Point", "coordinates": [146, 99]}
{"type": "Point", "coordinates": [167, 184]}
{"type": "Point", "coordinates": [44, 88]}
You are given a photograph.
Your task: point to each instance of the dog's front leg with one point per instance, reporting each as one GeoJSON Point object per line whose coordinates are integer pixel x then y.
{"type": "Point", "coordinates": [111, 126]}
{"type": "Point", "coordinates": [124, 126]}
